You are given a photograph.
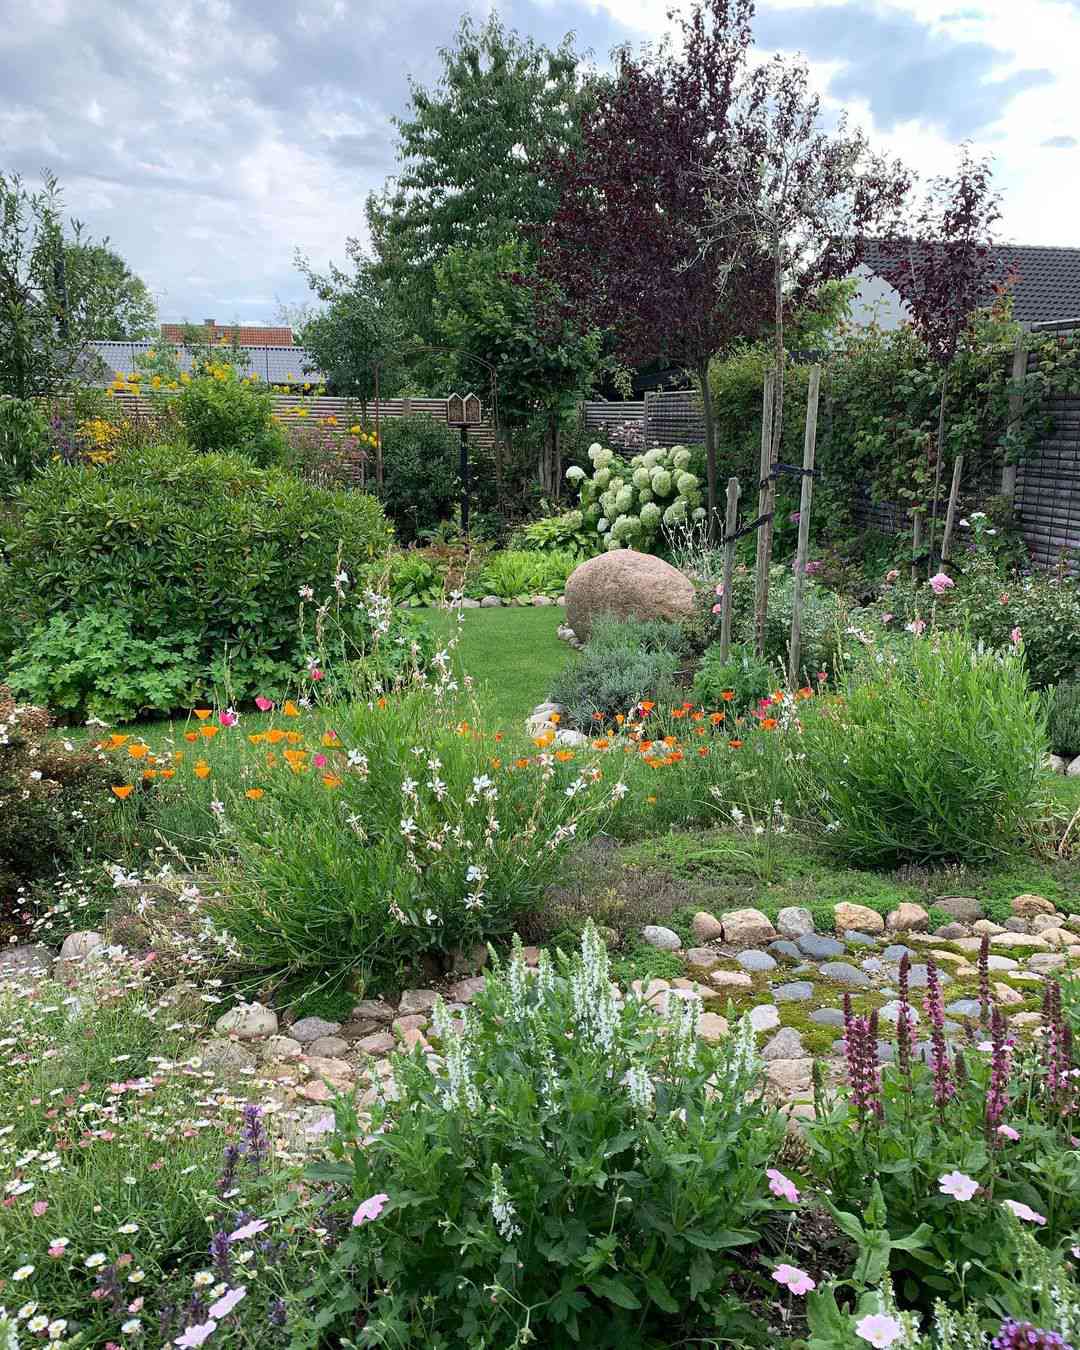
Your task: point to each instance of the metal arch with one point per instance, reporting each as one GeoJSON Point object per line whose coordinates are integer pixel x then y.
{"type": "Point", "coordinates": [449, 351]}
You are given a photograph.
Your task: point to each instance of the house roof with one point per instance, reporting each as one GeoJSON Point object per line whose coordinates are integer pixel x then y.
{"type": "Point", "coordinates": [1044, 280]}
{"type": "Point", "coordinates": [244, 335]}
{"type": "Point", "coordinates": [275, 365]}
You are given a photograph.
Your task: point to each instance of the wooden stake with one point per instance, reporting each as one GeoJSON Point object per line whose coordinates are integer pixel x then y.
{"type": "Point", "coordinates": [916, 542]}
{"type": "Point", "coordinates": [766, 494]}
{"type": "Point", "coordinates": [809, 450]}
{"type": "Point", "coordinates": [731, 522]}
{"type": "Point", "coordinates": [950, 514]}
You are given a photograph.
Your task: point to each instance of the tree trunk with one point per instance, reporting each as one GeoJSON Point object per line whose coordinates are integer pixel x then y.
{"type": "Point", "coordinates": [778, 348]}
{"type": "Point", "coordinates": [937, 466]}
{"type": "Point", "coordinates": [556, 457]}
{"type": "Point", "coordinates": [710, 448]}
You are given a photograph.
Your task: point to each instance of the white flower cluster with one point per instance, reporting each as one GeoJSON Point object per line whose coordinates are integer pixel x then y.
{"type": "Point", "coordinates": [629, 501]}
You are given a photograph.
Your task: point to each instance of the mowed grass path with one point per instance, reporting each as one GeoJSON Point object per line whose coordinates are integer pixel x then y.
{"type": "Point", "coordinates": [512, 653]}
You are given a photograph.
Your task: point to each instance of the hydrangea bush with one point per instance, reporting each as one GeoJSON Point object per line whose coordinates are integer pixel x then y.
{"type": "Point", "coordinates": [629, 502]}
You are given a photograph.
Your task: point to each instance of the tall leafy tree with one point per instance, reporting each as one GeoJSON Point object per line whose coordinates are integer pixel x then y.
{"type": "Point", "coordinates": [121, 307]}
{"type": "Point", "coordinates": [358, 328]}
{"type": "Point", "coordinates": [472, 151]}
{"type": "Point", "coordinates": [628, 242]}
{"type": "Point", "coordinates": [944, 267]}
{"type": "Point", "coordinates": [486, 305]}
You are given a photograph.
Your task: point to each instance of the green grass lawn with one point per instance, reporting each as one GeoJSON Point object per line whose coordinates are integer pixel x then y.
{"type": "Point", "coordinates": [512, 653]}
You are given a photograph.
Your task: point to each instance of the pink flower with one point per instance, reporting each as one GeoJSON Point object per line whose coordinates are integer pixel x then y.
{"type": "Point", "coordinates": [719, 588]}
{"type": "Point", "coordinates": [794, 1279]}
{"type": "Point", "coordinates": [371, 1208]}
{"type": "Point", "coordinates": [228, 718]}
{"type": "Point", "coordinates": [887, 618]}
{"type": "Point", "coordinates": [1003, 598]}
{"type": "Point", "coordinates": [916, 626]}
{"type": "Point", "coordinates": [227, 1302]}
{"type": "Point", "coordinates": [196, 1335]}
{"type": "Point", "coordinates": [1023, 1211]}
{"type": "Point", "coordinates": [892, 575]}
{"type": "Point", "coordinates": [781, 1186]}
{"type": "Point", "coordinates": [940, 583]}
{"type": "Point", "coordinates": [323, 1125]}
{"type": "Point", "coordinates": [958, 1185]}
{"type": "Point", "coordinates": [38, 1208]}
{"type": "Point", "coordinates": [717, 609]}
{"type": "Point", "coordinates": [1015, 636]}
{"type": "Point", "coordinates": [248, 1230]}
{"type": "Point", "coordinates": [263, 704]}
{"type": "Point", "coordinates": [319, 761]}
{"type": "Point", "coordinates": [1007, 1132]}
{"type": "Point", "coordinates": [136, 1305]}
{"type": "Point", "coordinates": [879, 1329]}
{"type": "Point", "coordinates": [56, 1251]}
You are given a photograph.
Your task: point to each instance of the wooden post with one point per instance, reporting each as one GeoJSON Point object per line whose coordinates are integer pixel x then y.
{"type": "Point", "coordinates": [1016, 406]}
{"type": "Point", "coordinates": [766, 494]}
{"type": "Point", "coordinates": [916, 542]}
{"type": "Point", "coordinates": [731, 522]}
{"type": "Point", "coordinates": [950, 514]}
{"type": "Point", "coordinates": [805, 500]}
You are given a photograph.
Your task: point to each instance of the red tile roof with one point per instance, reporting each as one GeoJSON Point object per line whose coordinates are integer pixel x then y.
{"type": "Point", "coordinates": [245, 336]}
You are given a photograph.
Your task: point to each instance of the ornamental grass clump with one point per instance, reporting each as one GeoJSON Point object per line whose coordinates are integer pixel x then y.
{"type": "Point", "coordinates": [931, 752]}
{"type": "Point", "coordinates": [575, 1169]}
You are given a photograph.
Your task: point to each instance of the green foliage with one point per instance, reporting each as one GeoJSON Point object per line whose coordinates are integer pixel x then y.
{"type": "Point", "coordinates": [932, 753]}
{"type": "Point", "coordinates": [412, 580]}
{"type": "Point", "coordinates": [200, 555]}
{"type": "Point", "coordinates": [94, 666]}
{"type": "Point", "coordinates": [370, 873]}
{"type": "Point", "coordinates": [1063, 724]}
{"type": "Point", "coordinates": [621, 664]}
{"type": "Point", "coordinates": [420, 473]}
{"type": "Point", "coordinates": [599, 1188]}
{"type": "Point", "coordinates": [223, 411]}
{"type": "Point", "coordinates": [24, 442]}
{"type": "Point", "coordinates": [566, 531]}
{"type": "Point", "coordinates": [743, 674]}
{"type": "Point", "coordinates": [51, 800]}
{"type": "Point", "coordinates": [824, 620]}
{"type": "Point", "coordinates": [124, 309]}
{"type": "Point", "coordinates": [517, 574]}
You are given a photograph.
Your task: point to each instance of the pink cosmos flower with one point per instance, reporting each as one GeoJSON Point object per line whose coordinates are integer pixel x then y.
{"type": "Point", "coordinates": [248, 1230]}
{"type": "Point", "coordinates": [958, 1185]}
{"type": "Point", "coordinates": [916, 626]}
{"type": "Point", "coordinates": [323, 1125]}
{"type": "Point", "coordinates": [1023, 1211]}
{"type": "Point", "coordinates": [887, 618]}
{"type": "Point", "coordinates": [718, 609]}
{"type": "Point", "coordinates": [794, 1279]}
{"type": "Point", "coordinates": [228, 718]}
{"type": "Point", "coordinates": [198, 1334]}
{"type": "Point", "coordinates": [879, 1329]}
{"type": "Point", "coordinates": [1003, 598]}
{"type": "Point", "coordinates": [719, 588]}
{"type": "Point", "coordinates": [371, 1208]}
{"type": "Point", "coordinates": [263, 704]}
{"type": "Point", "coordinates": [781, 1186]}
{"type": "Point", "coordinates": [940, 583]}
{"type": "Point", "coordinates": [1007, 1132]}
{"type": "Point", "coordinates": [892, 575]}
{"type": "Point", "coordinates": [38, 1208]}
{"type": "Point", "coordinates": [319, 761]}
{"type": "Point", "coordinates": [1015, 636]}
{"type": "Point", "coordinates": [227, 1302]}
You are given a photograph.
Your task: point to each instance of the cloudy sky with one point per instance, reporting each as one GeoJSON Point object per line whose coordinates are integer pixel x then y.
{"type": "Point", "coordinates": [210, 138]}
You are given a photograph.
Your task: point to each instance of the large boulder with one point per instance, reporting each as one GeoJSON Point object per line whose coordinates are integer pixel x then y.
{"type": "Point", "coordinates": [628, 585]}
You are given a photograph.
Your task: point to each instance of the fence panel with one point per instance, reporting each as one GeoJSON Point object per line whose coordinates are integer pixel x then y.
{"type": "Point", "coordinates": [1047, 500]}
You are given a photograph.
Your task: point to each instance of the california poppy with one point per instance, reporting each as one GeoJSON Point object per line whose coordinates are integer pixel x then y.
{"type": "Point", "coordinates": [124, 791]}
{"type": "Point", "coordinates": [202, 769]}
{"type": "Point", "coordinates": [254, 794]}
{"type": "Point", "coordinates": [202, 713]}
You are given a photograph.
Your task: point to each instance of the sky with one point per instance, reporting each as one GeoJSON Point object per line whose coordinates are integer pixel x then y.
{"type": "Point", "coordinates": [209, 139]}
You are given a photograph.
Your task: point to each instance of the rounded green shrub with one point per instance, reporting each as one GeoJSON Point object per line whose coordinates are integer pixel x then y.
{"type": "Point", "coordinates": [203, 557]}
{"type": "Point", "coordinates": [223, 411]}
{"type": "Point", "coordinates": [420, 473]}
{"type": "Point", "coordinates": [1064, 719]}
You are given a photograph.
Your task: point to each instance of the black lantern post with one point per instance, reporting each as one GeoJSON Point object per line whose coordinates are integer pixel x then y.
{"type": "Point", "coordinates": [464, 412]}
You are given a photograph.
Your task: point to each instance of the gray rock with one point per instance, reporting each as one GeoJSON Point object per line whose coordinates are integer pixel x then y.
{"type": "Point", "coordinates": [764, 1017]}
{"type": "Point", "coordinates": [781, 947]}
{"type": "Point", "coordinates": [225, 1057]}
{"type": "Point", "coordinates": [373, 1010]}
{"type": "Point", "coordinates": [490, 602]}
{"type": "Point", "coordinates": [76, 946]}
{"type": "Point", "coordinates": [248, 1021]}
{"type": "Point", "coordinates": [416, 1001]}
{"type": "Point", "coordinates": [873, 965]}
{"type": "Point", "coordinates": [819, 946]}
{"type": "Point", "coordinates": [827, 1017]}
{"type": "Point", "coordinates": [542, 600]}
{"type": "Point", "coordinates": [995, 962]}
{"type": "Point", "coordinates": [754, 960]}
{"type": "Point", "coordinates": [281, 1049]}
{"type": "Point", "coordinates": [794, 921]}
{"type": "Point", "coordinates": [1056, 764]}
{"type": "Point", "coordinates": [856, 939]}
{"type": "Point", "coordinates": [1017, 925]}
{"type": "Point", "coordinates": [29, 958]}
{"type": "Point", "coordinates": [963, 1007]}
{"type": "Point", "coordinates": [1046, 962]}
{"type": "Point", "coordinates": [796, 992]}
{"type": "Point", "coordinates": [918, 976]}
{"type": "Point", "coordinates": [803, 968]}
{"type": "Point", "coordinates": [963, 907]}
{"type": "Point", "coordinates": [704, 959]}
{"type": "Point", "coordinates": [886, 1052]}
{"type": "Point", "coordinates": [786, 1044]}
{"type": "Point", "coordinates": [310, 1029]}
{"type": "Point", "coordinates": [568, 738]}
{"type": "Point", "coordinates": [468, 603]}
{"type": "Point", "coordinates": [328, 1047]}
{"type": "Point", "coordinates": [948, 931]}
{"type": "Point", "coordinates": [896, 951]}
{"type": "Point", "coordinates": [656, 935]}
{"type": "Point", "coordinates": [890, 1012]}
{"type": "Point", "coordinates": [843, 972]}
{"type": "Point", "coordinates": [1074, 767]}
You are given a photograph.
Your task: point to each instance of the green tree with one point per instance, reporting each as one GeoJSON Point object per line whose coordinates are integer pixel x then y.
{"type": "Point", "coordinates": [472, 151]}
{"type": "Point", "coordinates": [359, 327]}
{"type": "Point", "coordinates": [489, 304]}
{"type": "Point", "coordinates": [120, 307]}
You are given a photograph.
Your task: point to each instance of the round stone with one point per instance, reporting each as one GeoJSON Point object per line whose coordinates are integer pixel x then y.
{"type": "Point", "coordinates": [786, 1044]}
{"type": "Point", "coordinates": [656, 935]}
{"type": "Point", "coordinates": [873, 965]}
{"type": "Point", "coordinates": [860, 917]}
{"type": "Point", "coordinates": [78, 945]}
{"type": "Point", "coordinates": [919, 976]}
{"type": "Point", "coordinates": [781, 947]}
{"type": "Point", "coordinates": [827, 1017]}
{"type": "Point", "coordinates": [890, 1012]}
{"type": "Point", "coordinates": [896, 951]}
{"type": "Point", "coordinates": [995, 962]}
{"type": "Point", "coordinates": [964, 1007]}
{"type": "Point", "coordinates": [764, 1017]}
{"type": "Point", "coordinates": [754, 960]}
{"type": "Point", "coordinates": [819, 946]}
{"type": "Point", "coordinates": [248, 1021]}
{"type": "Point", "coordinates": [843, 972]}
{"type": "Point", "coordinates": [628, 585]}
{"type": "Point", "coordinates": [794, 921]}
{"type": "Point", "coordinates": [797, 992]}
{"type": "Point", "coordinates": [855, 938]}
{"type": "Point", "coordinates": [312, 1028]}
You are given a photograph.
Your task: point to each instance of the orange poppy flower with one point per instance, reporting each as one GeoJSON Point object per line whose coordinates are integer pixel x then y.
{"type": "Point", "coordinates": [168, 773]}
{"type": "Point", "coordinates": [620, 718]}
{"type": "Point", "coordinates": [647, 705]}
{"type": "Point", "coordinates": [651, 801]}
{"type": "Point", "coordinates": [678, 712]}
{"type": "Point", "coordinates": [209, 731]}
{"type": "Point", "coordinates": [703, 750]}
{"type": "Point", "coordinates": [716, 718]}
{"type": "Point", "coordinates": [257, 737]}
{"type": "Point", "coordinates": [542, 742]}
{"type": "Point", "coordinates": [178, 756]}
{"type": "Point", "coordinates": [728, 695]}
{"type": "Point", "coordinates": [125, 791]}
{"type": "Point", "coordinates": [381, 702]}
{"type": "Point", "coordinates": [202, 713]}
{"type": "Point", "coordinates": [274, 735]}
{"type": "Point", "coordinates": [602, 743]}
{"type": "Point", "coordinates": [521, 763]}
{"type": "Point", "coordinates": [498, 737]}
{"type": "Point", "coordinates": [330, 739]}
{"type": "Point", "coordinates": [202, 769]}
{"type": "Point", "coordinates": [735, 745]}
{"type": "Point", "coordinates": [191, 735]}
{"type": "Point", "coordinates": [295, 757]}
{"type": "Point", "coordinates": [114, 742]}
{"type": "Point", "coordinates": [149, 775]}
{"type": "Point", "coordinates": [669, 741]}
{"type": "Point", "coordinates": [598, 717]}
{"type": "Point", "coordinates": [138, 750]}
{"type": "Point", "coordinates": [290, 709]}
{"type": "Point", "coordinates": [555, 717]}
{"type": "Point", "coordinates": [331, 780]}
{"type": "Point", "coordinates": [293, 737]}
{"type": "Point", "coordinates": [254, 794]}
{"type": "Point", "coordinates": [563, 755]}
{"type": "Point", "coordinates": [769, 724]}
